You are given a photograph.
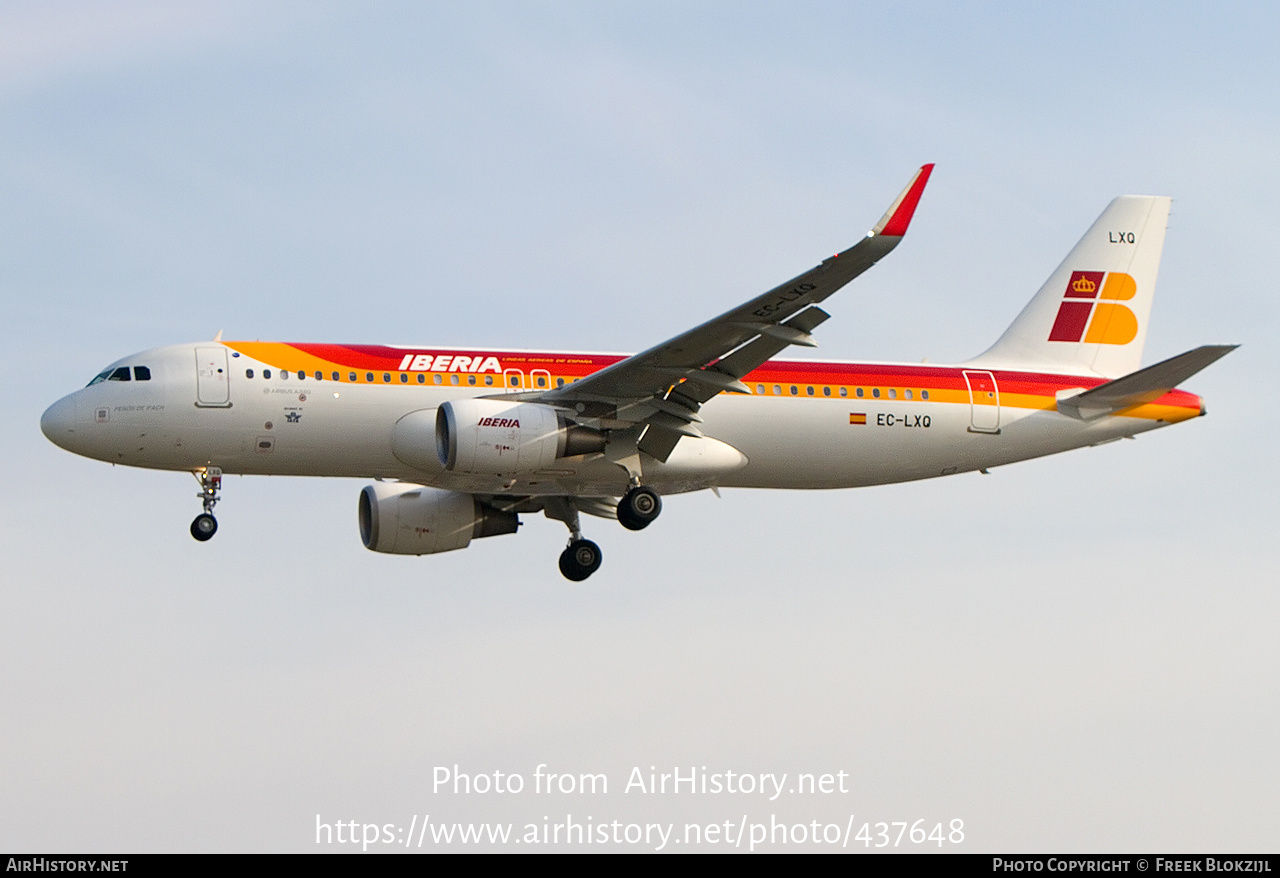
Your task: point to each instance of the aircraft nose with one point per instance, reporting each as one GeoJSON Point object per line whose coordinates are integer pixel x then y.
{"type": "Point", "coordinates": [58, 423]}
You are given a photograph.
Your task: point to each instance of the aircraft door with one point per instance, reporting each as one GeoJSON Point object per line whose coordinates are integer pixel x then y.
{"type": "Point", "coordinates": [213, 388]}
{"type": "Point", "coordinates": [984, 402]}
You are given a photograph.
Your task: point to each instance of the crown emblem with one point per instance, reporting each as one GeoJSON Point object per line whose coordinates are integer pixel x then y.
{"type": "Point", "coordinates": [1084, 285]}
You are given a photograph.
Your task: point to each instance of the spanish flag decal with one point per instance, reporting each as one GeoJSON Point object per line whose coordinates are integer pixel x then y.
{"type": "Point", "coordinates": [857, 417]}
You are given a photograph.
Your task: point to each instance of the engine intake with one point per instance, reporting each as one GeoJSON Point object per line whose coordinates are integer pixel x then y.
{"type": "Point", "coordinates": [407, 519]}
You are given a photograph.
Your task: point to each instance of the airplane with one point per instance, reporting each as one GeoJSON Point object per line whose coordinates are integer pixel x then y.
{"type": "Point", "coordinates": [460, 442]}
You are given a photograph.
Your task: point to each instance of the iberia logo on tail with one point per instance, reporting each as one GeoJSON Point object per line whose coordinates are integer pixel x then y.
{"type": "Point", "coordinates": [1090, 309]}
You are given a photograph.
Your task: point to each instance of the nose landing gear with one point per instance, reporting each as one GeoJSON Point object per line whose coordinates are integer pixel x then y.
{"type": "Point", "coordinates": [205, 525]}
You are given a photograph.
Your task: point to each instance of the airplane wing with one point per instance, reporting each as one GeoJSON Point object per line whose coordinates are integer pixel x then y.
{"type": "Point", "coordinates": [663, 388]}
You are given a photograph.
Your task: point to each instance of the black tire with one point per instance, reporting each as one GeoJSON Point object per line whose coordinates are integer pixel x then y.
{"type": "Point", "coordinates": [580, 560]}
{"type": "Point", "coordinates": [204, 527]}
{"type": "Point", "coordinates": [638, 508]}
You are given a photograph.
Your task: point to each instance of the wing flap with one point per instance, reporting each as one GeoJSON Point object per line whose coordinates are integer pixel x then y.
{"type": "Point", "coordinates": [658, 442]}
{"type": "Point", "coordinates": [755, 353]}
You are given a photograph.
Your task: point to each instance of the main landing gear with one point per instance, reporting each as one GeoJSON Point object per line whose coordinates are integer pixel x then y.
{"type": "Point", "coordinates": [205, 525]}
{"type": "Point", "coordinates": [636, 510]}
{"type": "Point", "coordinates": [639, 507]}
{"type": "Point", "coordinates": [580, 559]}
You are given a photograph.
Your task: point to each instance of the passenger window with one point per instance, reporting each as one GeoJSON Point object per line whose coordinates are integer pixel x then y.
{"type": "Point", "coordinates": [893, 394]}
{"type": "Point", "coordinates": [794, 390]}
{"type": "Point", "coordinates": [266, 373]}
{"type": "Point", "coordinates": [760, 388]}
{"type": "Point", "coordinates": [542, 382]}
{"type": "Point", "coordinates": [422, 378]}
{"type": "Point", "coordinates": [368, 376]}
{"type": "Point", "coordinates": [777, 390]}
{"type": "Point", "coordinates": [141, 373]}
{"type": "Point", "coordinates": [386, 377]}
{"type": "Point", "coordinates": [319, 375]}
{"type": "Point", "coordinates": [876, 392]}
{"type": "Point", "coordinates": [438, 378]}
{"type": "Point", "coordinates": [336, 376]}
{"type": "Point", "coordinates": [859, 391]}
{"type": "Point", "coordinates": [515, 381]}
{"type": "Point", "coordinates": [351, 376]}
{"type": "Point", "coordinates": [844, 391]}
{"type": "Point", "coordinates": [302, 376]}
{"type": "Point", "coordinates": [404, 378]}
{"type": "Point", "coordinates": [471, 379]}
{"type": "Point", "coordinates": [826, 391]}
{"type": "Point", "coordinates": [809, 390]}
{"type": "Point", "coordinates": [906, 394]}
{"type": "Point", "coordinates": [248, 373]}
{"type": "Point", "coordinates": [924, 394]}
{"type": "Point", "coordinates": [121, 374]}
{"type": "Point", "coordinates": [453, 379]}
{"type": "Point", "coordinates": [284, 374]}
{"type": "Point", "coordinates": [560, 383]}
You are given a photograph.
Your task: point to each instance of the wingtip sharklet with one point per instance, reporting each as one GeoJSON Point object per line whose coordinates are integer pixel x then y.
{"type": "Point", "coordinates": [896, 219]}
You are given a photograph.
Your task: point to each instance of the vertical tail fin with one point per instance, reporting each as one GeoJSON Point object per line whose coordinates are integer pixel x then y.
{"type": "Point", "coordinates": [1092, 313]}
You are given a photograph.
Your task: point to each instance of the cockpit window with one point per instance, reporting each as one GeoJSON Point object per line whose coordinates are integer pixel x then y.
{"type": "Point", "coordinates": [121, 374]}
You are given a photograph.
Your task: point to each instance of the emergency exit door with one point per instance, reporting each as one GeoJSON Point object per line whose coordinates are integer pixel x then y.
{"type": "Point", "coordinates": [212, 387]}
{"type": "Point", "coordinates": [984, 402]}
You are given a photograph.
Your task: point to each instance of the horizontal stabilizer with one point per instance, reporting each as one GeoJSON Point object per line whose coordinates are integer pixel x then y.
{"type": "Point", "coordinates": [1142, 386]}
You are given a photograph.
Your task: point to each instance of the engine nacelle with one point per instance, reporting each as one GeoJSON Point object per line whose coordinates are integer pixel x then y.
{"type": "Point", "coordinates": [496, 437]}
{"type": "Point", "coordinates": [407, 519]}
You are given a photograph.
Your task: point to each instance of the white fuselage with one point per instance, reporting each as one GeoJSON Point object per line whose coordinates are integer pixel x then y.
{"type": "Point", "coordinates": [182, 420]}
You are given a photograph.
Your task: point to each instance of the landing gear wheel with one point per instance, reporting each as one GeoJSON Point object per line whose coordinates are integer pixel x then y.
{"type": "Point", "coordinates": [580, 560]}
{"type": "Point", "coordinates": [204, 527]}
{"type": "Point", "coordinates": [210, 479]}
{"type": "Point", "coordinates": [638, 508]}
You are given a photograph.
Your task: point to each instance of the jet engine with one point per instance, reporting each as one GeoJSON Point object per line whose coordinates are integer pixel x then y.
{"type": "Point", "coordinates": [496, 437]}
{"type": "Point", "coordinates": [407, 519]}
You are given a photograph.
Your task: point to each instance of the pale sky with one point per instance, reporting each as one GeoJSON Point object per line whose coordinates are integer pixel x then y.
{"type": "Point", "coordinates": [1076, 653]}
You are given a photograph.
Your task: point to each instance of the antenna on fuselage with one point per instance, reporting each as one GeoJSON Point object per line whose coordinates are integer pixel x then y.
{"type": "Point", "coordinates": [218, 337]}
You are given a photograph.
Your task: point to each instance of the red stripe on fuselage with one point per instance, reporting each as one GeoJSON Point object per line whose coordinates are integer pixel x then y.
{"type": "Point", "coordinates": [579, 365]}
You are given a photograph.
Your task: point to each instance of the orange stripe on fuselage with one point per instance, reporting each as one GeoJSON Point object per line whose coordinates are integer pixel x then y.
{"type": "Point", "coordinates": [1022, 390]}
